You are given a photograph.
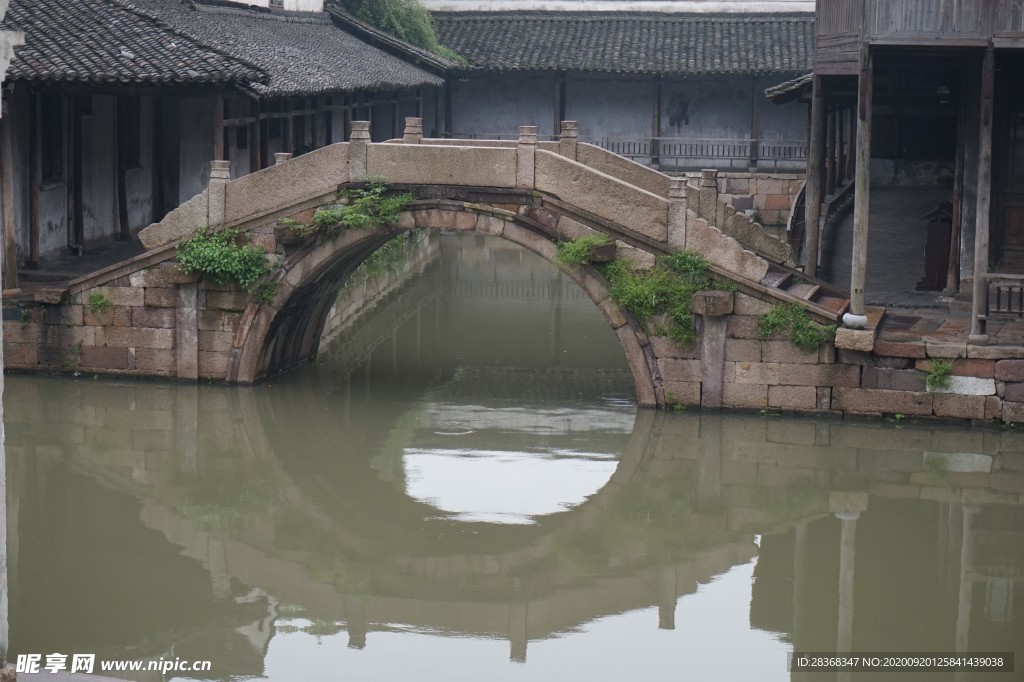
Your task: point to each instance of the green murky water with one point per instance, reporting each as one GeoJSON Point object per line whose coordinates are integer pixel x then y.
{"type": "Point", "coordinates": [461, 489]}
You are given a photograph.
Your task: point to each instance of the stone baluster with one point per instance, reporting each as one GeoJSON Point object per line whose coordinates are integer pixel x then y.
{"type": "Point", "coordinates": [708, 207]}
{"type": "Point", "coordinates": [677, 206]}
{"type": "Point", "coordinates": [568, 139]}
{"type": "Point", "coordinates": [526, 154]}
{"type": "Point", "coordinates": [220, 176]}
{"type": "Point", "coordinates": [413, 131]}
{"type": "Point", "coordinates": [281, 157]}
{"type": "Point", "coordinates": [359, 142]}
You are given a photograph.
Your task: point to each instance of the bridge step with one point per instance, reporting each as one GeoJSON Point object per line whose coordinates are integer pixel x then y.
{"type": "Point", "coordinates": [776, 278]}
{"type": "Point", "coordinates": [836, 305]}
{"type": "Point", "coordinates": [804, 290]}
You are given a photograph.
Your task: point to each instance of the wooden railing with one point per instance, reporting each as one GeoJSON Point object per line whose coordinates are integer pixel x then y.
{"type": "Point", "coordinates": [679, 154]}
{"type": "Point", "coordinates": [1004, 295]}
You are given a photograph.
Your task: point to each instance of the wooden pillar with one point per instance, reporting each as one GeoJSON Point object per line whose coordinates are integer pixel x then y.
{"type": "Point", "coordinates": [448, 97]}
{"type": "Point", "coordinates": [953, 266]}
{"type": "Point", "coordinates": [559, 108]}
{"type": "Point", "coordinates": [34, 181]}
{"type": "Point", "coordinates": [218, 128]}
{"type": "Point", "coordinates": [124, 231]}
{"type": "Point", "coordinates": [862, 189]}
{"type": "Point", "coordinates": [831, 152]}
{"type": "Point", "coordinates": [656, 124]}
{"type": "Point", "coordinates": [78, 170]}
{"type": "Point", "coordinates": [755, 132]}
{"type": "Point", "coordinates": [255, 148]}
{"type": "Point", "coordinates": [7, 199]}
{"type": "Point", "coordinates": [815, 171]}
{"type": "Point", "coordinates": [981, 231]}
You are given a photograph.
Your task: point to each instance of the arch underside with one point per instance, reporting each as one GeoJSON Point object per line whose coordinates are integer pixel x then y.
{"type": "Point", "coordinates": [286, 333]}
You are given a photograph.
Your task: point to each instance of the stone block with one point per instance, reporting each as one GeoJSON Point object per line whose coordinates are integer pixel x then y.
{"type": "Point", "coordinates": [937, 349]}
{"type": "Point", "coordinates": [492, 225]}
{"type": "Point", "coordinates": [160, 318]}
{"type": "Point", "coordinates": [1014, 393]}
{"type": "Point", "coordinates": [113, 316]}
{"type": "Point", "coordinates": [753, 372]}
{"type": "Point", "coordinates": [969, 386]}
{"type": "Point", "coordinates": [665, 347]}
{"type": "Point", "coordinates": [901, 349]}
{"type": "Point", "coordinates": [215, 341]}
{"type": "Point", "coordinates": [679, 370]}
{"type": "Point", "coordinates": [964, 367]}
{"type": "Point", "coordinates": [20, 354]}
{"type": "Point", "coordinates": [225, 300]}
{"type": "Point", "coordinates": [847, 376]}
{"type": "Point", "coordinates": [784, 351]}
{"type": "Point", "coordinates": [218, 321]}
{"type": "Point", "coordinates": [855, 357]}
{"type": "Point", "coordinates": [213, 364]}
{"type": "Point", "coordinates": [892, 362]}
{"type": "Point", "coordinates": [745, 395]}
{"type": "Point", "coordinates": [741, 327]}
{"type": "Point", "coordinates": [777, 202]}
{"type": "Point", "coordinates": [793, 397]}
{"type": "Point", "coordinates": [870, 400]}
{"type": "Point", "coordinates": [154, 360]}
{"type": "Point", "coordinates": [63, 314]}
{"type": "Point", "coordinates": [960, 406]}
{"type": "Point", "coordinates": [1013, 412]}
{"type": "Point", "coordinates": [106, 357]}
{"type": "Point", "coordinates": [139, 337]}
{"type": "Point", "coordinates": [855, 339]}
{"type": "Point", "coordinates": [163, 275]}
{"type": "Point", "coordinates": [15, 332]}
{"type": "Point", "coordinates": [995, 352]}
{"type": "Point", "coordinates": [744, 304]}
{"type": "Point", "coordinates": [993, 407]}
{"type": "Point", "coordinates": [1009, 370]}
{"type": "Point", "coordinates": [712, 303]}
{"type": "Point", "coordinates": [743, 350]}
{"type": "Point", "coordinates": [157, 297]}
{"type": "Point", "coordinates": [128, 296]}
{"type": "Point", "coordinates": [682, 392]}
{"type": "Point", "coordinates": [612, 312]}
{"type": "Point", "coordinates": [893, 379]}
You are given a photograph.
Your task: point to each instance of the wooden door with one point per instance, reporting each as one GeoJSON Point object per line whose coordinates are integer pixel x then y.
{"type": "Point", "coordinates": [1008, 202]}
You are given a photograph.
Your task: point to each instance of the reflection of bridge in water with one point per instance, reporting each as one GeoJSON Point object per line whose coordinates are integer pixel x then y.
{"type": "Point", "coordinates": [312, 523]}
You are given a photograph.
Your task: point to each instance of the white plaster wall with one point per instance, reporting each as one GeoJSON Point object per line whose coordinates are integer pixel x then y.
{"type": "Point", "coordinates": [196, 119]}
{"type": "Point", "coordinates": [718, 109]}
{"type": "Point", "coordinates": [495, 103]}
{"type": "Point", "coordinates": [294, 5]}
{"type": "Point", "coordinates": [99, 181]}
{"type": "Point", "coordinates": [610, 108]}
{"type": "Point", "coordinates": [780, 121]}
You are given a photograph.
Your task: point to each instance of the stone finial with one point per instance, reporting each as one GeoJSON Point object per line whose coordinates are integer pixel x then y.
{"type": "Point", "coordinates": [526, 157]}
{"type": "Point", "coordinates": [413, 131]}
{"type": "Point", "coordinates": [281, 157]}
{"type": "Point", "coordinates": [359, 140]}
{"type": "Point", "coordinates": [568, 139]}
{"type": "Point", "coordinates": [528, 135]}
{"type": "Point", "coordinates": [677, 189]}
{"type": "Point", "coordinates": [220, 170]}
{"type": "Point", "coordinates": [709, 177]}
{"type": "Point", "coordinates": [360, 130]}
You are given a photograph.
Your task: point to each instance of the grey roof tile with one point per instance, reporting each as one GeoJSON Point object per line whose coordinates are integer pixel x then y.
{"type": "Point", "coordinates": [631, 42]}
{"type": "Point", "coordinates": [108, 42]}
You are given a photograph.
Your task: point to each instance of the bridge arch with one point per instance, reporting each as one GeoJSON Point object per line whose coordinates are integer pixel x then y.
{"type": "Point", "coordinates": [286, 331]}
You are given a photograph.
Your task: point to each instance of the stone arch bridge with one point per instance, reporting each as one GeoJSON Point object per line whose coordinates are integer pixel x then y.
{"type": "Point", "coordinates": [160, 322]}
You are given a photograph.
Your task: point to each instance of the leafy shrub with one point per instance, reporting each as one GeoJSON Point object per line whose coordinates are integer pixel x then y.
{"type": "Point", "coordinates": [361, 209]}
{"type": "Point", "coordinates": [219, 255]}
{"type": "Point", "coordinates": [803, 332]}
{"type": "Point", "coordinates": [938, 375]}
{"type": "Point", "coordinates": [406, 20]}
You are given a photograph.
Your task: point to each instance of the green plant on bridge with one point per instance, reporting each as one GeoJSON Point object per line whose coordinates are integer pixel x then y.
{"type": "Point", "coordinates": [577, 252]}
{"type": "Point", "coordinates": [667, 288]}
{"type": "Point", "coordinates": [98, 303]}
{"type": "Point", "coordinates": [219, 255]}
{"type": "Point", "coordinates": [360, 208]}
{"type": "Point", "coordinates": [791, 319]}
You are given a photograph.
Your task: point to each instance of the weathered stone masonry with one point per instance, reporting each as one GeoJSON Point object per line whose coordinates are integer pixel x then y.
{"type": "Point", "coordinates": [160, 322]}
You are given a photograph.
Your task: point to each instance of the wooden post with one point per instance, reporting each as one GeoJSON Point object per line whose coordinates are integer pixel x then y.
{"type": "Point", "coordinates": [953, 266]}
{"type": "Point", "coordinates": [856, 319]}
{"type": "Point", "coordinates": [448, 97]}
{"type": "Point", "coordinates": [559, 108]}
{"type": "Point", "coordinates": [755, 132]}
{"type": "Point", "coordinates": [979, 303]}
{"type": "Point", "coordinates": [77, 170]}
{"type": "Point", "coordinates": [831, 153]}
{"type": "Point", "coordinates": [815, 170]}
{"type": "Point", "coordinates": [218, 128]}
{"type": "Point", "coordinates": [656, 124]}
{"type": "Point", "coordinates": [34, 180]}
{"type": "Point", "coordinates": [7, 198]}
{"type": "Point", "coordinates": [124, 231]}
{"type": "Point", "coordinates": [255, 148]}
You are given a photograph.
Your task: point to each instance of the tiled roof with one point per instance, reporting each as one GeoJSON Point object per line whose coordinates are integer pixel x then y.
{"type": "Point", "coordinates": [631, 42]}
{"type": "Point", "coordinates": [304, 53]}
{"type": "Point", "coordinates": [106, 41]}
{"type": "Point", "coordinates": [790, 90]}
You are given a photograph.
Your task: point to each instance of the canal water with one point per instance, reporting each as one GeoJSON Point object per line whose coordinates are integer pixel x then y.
{"type": "Point", "coordinates": [461, 488]}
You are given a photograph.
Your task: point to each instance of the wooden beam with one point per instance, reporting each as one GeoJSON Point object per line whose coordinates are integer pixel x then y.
{"type": "Point", "coordinates": [979, 302]}
{"type": "Point", "coordinates": [34, 181]}
{"type": "Point", "coordinates": [862, 185]}
{"type": "Point", "coordinates": [7, 199]}
{"type": "Point", "coordinates": [815, 171]}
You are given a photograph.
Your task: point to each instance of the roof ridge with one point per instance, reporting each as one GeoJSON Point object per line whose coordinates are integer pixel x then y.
{"type": "Point", "coordinates": [261, 13]}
